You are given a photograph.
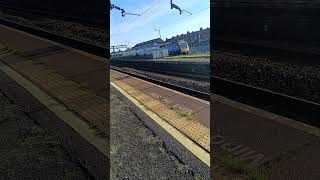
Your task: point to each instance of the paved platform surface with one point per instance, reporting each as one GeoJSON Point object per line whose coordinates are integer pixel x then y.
{"type": "Point", "coordinates": [187, 114]}
{"type": "Point", "coordinates": [64, 90]}
{"type": "Point", "coordinates": [268, 145]}
{"type": "Point", "coordinates": [78, 80]}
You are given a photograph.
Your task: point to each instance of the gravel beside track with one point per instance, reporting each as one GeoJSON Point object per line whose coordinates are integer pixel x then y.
{"type": "Point", "coordinates": [74, 30]}
{"type": "Point", "coordinates": [302, 81]}
{"type": "Point", "coordinates": [28, 152]}
{"type": "Point", "coordinates": [136, 152]}
{"type": "Point", "coordinates": [202, 86]}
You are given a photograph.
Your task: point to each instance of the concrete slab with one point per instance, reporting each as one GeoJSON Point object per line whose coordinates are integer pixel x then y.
{"type": "Point", "coordinates": [95, 81]}
{"type": "Point", "coordinates": [264, 135]}
{"type": "Point", "coordinates": [65, 63]}
{"type": "Point", "coordinates": [304, 165]}
{"type": "Point", "coordinates": [271, 145]}
{"type": "Point", "coordinates": [155, 91]}
{"type": "Point", "coordinates": [203, 117]}
{"type": "Point", "coordinates": [195, 105]}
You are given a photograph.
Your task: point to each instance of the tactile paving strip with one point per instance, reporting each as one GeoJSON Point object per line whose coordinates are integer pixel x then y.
{"type": "Point", "coordinates": [158, 108]}
{"type": "Point", "coordinates": [134, 92]}
{"type": "Point", "coordinates": [147, 99]}
{"type": "Point", "coordinates": [141, 96]}
{"type": "Point", "coordinates": [59, 84]}
{"type": "Point", "coordinates": [195, 130]}
{"type": "Point", "coordinates": [124, 86]}
{"type": "Point", "coordinates": [68, 94]}
{"type": "Point", "coordinates": [151, 104]}
{"type": "Point", "coordinates": [174, 119]}
{"type": "Point", "coordinates": [205, 142]}
{"type": "Point", "coordinates": [40, 76]}
{"type": "Point", "coordinates": [86, 102]}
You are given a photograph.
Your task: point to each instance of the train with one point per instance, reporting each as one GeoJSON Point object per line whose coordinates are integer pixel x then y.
{"type": "Point", "coordinates": [174, 48]}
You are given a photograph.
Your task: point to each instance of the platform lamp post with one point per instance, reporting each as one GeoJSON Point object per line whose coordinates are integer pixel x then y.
{"type": "Point", "coordinates": [160, 41]}
{"type": "Point", "coordinates": [159, 32]}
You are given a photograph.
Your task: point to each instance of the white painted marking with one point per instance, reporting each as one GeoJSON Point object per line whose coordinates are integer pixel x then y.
{"type": "Point", "coordinates": [240, 152]}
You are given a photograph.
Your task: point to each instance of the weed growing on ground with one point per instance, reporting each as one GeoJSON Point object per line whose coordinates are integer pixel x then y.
{"type": "Point", "coordinates": [185, 115]}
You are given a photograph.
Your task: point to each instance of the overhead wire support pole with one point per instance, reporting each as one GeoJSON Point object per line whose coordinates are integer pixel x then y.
{"type": "Point", "coordinates": [173, 6]}
{"type": "Point", "coordinates": [132, 14]}
{"type": "Point", "coordinates": [187, 12]}
{"type": "Point", "coordinates": [123, 12]}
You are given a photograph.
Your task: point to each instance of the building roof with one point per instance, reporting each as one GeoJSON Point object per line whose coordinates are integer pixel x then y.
{"type": "Point", "coordinates": [157, 40]}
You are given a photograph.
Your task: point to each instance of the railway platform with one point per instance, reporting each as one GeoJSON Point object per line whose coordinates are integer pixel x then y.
{"type": "Point", "coordinates": [53, 86]}
{"type": "Point", "coordinates": [262, 144]}
{"type": "Point", "coordinates": [66, 92]}
{"type": "Point", "coordinates": [181, 120]}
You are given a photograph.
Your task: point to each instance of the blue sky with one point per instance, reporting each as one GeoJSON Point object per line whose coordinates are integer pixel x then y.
{"type": "Point", "coordinates": [135, 29]}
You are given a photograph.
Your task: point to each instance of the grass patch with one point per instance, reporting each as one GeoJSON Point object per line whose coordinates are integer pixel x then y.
{"type": "Point", "coordinates": [10, 51]}
{"type": "Point", "coordinates": [232, 165]}
{"type": "Point", "coordinates": [120, 104]}
{"type": "Point", "coordinates": [6, 49]}
{"type": "Point", "coordinates": [196, 55]}
{"type": "Point", "coordinates": [256, 176]}
{"type": "Point", "coordinates": [237, 167]}
{"type": "Point", "coordinates": [290, 150]}
{"type": "Point", "coordinates": [131, 57]}
{"type": "Point", "coordinates": [185, 115]}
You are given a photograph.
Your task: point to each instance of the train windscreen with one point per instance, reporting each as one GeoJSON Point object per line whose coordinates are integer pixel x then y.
{"type": "Point", "coordinates": [183, 45]}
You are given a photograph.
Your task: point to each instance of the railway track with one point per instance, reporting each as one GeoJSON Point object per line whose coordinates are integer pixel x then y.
{"type": "Point", "coordinates": [202, 95]}
{"type": "Point", "coordinates": [298, 109]}
{"type": "Point", "coordinates": [278, 103]}
{"type": "Point", "coordinates": [74, 43]}
{"type": "Point", "coordinates": [191, 70]}
{"type": "Point", "coordinates": [279, 54]}
{"type": "Point", "coordinates": [52, 14]}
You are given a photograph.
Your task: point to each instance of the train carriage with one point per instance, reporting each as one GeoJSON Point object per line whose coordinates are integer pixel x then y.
{"type": "Point", "coordinates": [174, 48]}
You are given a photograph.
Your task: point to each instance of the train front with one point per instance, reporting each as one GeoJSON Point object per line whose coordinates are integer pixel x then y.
{"type": "Point", "coordinates": [184, 47]}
